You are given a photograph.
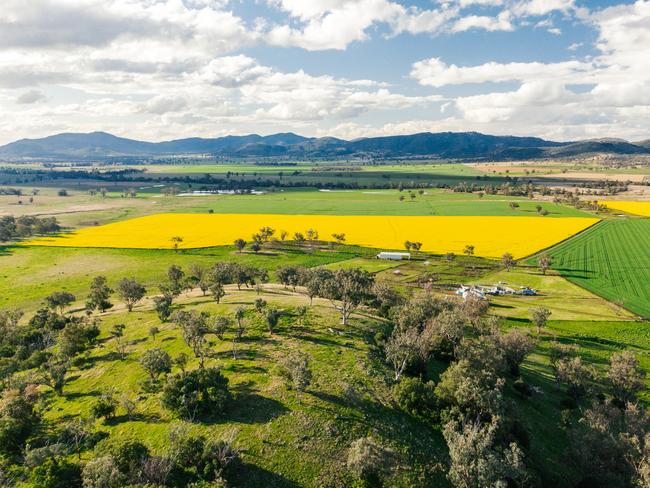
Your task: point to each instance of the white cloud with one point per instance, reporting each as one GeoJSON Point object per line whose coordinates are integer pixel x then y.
{"type": "Point", "coordinates": [435, 72]}
{"type": "Point", "coordinates": [31, 96]}
{"type": "Point", "coordinates": [542, 7]}
{"type": "Point", "coordinates": [164, 104]}
{"type": "Point", "coordinates": [500, 23]}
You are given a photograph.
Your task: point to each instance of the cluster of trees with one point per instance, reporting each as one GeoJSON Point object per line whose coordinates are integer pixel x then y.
{"type": "Point", "coordinates": [191, 460]}
{"type": "Point", "coordinates": [12, 228]}
{"type": "Point", "coordinates": [488, 442]}
{"type": "Point", "coordinates": [267, 234]}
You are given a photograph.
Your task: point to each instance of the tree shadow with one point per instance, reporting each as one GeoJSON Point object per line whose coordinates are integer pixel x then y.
{"type": "Point", "coordinates": [242, 368]}
{"type": "Point", "coordinates": [253, 475]}
{"type": "Point", "coordinates": [138, 417]}
{"type": "Point", "coordinates": [252, 408]}
{"type": "Point", "coordinates": [324, 341]}
{"type": "Point", "coordinates": [76, 395]}
{"type": "Point", "coordinates": [7, 250]}
{"type": "Point", "coordinates": [91, 361]}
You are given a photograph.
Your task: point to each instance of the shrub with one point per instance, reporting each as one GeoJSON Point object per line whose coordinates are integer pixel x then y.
{"type": "Point", "coordinates": [128, 457]}
{"type": "Point", "coordinates": [56, 472]}
{"type": "Point", "coordinates": [294, 368]}
{"type": "Point", "coordinates": [156, 362]}
{"type": "Point", "coordinates": [197, 393]}
{"type": "Point", "coordinates": [102, 472]}
{"type": "Point", "coordinates": [104, 407]}
{"type": "Point", "coordinates": [368, 460]}
{"type": "Point", "coordinates": [415, 396]}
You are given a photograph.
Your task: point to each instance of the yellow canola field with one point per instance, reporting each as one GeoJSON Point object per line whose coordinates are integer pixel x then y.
{"type": "Point", "coordinates": [637, 208]}
{"type": "Point", "coordinates": [491, 236]}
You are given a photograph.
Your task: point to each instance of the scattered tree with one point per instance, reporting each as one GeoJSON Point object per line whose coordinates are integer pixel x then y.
{"type": "Point", "coordinates": [347, 289]}
{"type": "Point", "coordinates": [272, 318]}
{"type": "Point", "coordinates": [294, 367]}
{"type": "Point", "coordinates": [576, 375]}
{"type": "Point", "coordinates": [508, 261]}
{"type": "Point", "coordinates": [368, 460]}
{"type": "Point", "coordinates": [59, 300]}
{"type": "Point", "coordinates": [477, 460]}
{"type": "Point", "coordinates": [194, 328]}
{"type": "Point", "coordinates": [625, 376]}
{"type": "Point", "coordinates": [153, 332]}
{"type": "Point", "coordinates": [197, 393]}
{"type": "Point", "coordinates": [539, 316]}
{"type": "Point", "coordinates": [240, 244]}
{"type": "Point", "coordinates": [545, 263]}
{"type": "Point", "coordinates": [516, 344]}
{"type": "Point", "coordinates": [117, 332]}
{"type": "Point", "coordinates": [176, 242]}
{"type": "Point", "coordinates": [131, 292]}
{"type": "Point", "coordinates": [163, 307]}
{"type": "Point", "coordinates": [156, 362]}
{"type": "Point", "coordinates": [98, 298]}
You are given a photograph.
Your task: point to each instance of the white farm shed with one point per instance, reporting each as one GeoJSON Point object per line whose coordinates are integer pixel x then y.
{"type": "Point", "coordinates": [395, 256]}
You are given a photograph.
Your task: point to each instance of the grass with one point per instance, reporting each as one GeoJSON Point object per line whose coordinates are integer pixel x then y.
{"type": "Point", "coordinates": [451, 169]}
{"type": "Point", "coordinates": [564, 299]}
{"type": "Point", "coordinates": [612, 259]}
{"type": "Point", "coordinates": [28, 274]}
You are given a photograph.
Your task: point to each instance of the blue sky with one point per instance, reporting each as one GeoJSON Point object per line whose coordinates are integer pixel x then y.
{"type": "Point", "coordinates": [164, 69]}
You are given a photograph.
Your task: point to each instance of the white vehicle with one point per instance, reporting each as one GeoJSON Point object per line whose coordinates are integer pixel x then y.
{"type": "Point", "coordinates": [394, 256]}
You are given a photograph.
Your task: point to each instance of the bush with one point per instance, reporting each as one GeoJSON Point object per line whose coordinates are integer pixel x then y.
{"type": "Point", "coordinates": [128, 457]}
{"type": "Point", "coordinates": [156, 362]}
{"type": "Point", "coordinates": [368, 460]}
{"type": "Point", "coordinates": [197, 393]}
{"type": "Point", "coordinates": [56, 472]}
{"type": "Point", "coordinates": [415, 396]}
{"type": "Point", "coordinates": [294, 368]}
{"type": "Point", "coordinates": [104, 407]}
{"type": "Point", "coordinates": [102, 472]}
{"type": "Point", "coordinates": [199, 458]}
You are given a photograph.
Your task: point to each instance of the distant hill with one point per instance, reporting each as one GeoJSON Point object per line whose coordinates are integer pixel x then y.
{"type": "Point", "coordinates": [445, 145]}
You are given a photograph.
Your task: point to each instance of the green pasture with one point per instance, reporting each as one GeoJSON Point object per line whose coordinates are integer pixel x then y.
{"type": "Point", "coordinates": [28, 274]}
{"type": "Point", "coordinates": [565, 300]}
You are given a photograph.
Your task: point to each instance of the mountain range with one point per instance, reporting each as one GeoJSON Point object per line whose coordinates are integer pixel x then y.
{"type": "Point", "coordinates": [444, 145]}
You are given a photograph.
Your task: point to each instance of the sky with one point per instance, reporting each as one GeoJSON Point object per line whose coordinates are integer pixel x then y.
{"type": "Point", "coordinates": [167, 69]}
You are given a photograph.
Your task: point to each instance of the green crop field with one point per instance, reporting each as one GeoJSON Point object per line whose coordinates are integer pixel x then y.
{"type": "Point", "coordinates": [79, 209]}
{"type": "Point", "coordinates": [611, 259]}
{"type": "Point", "coordinates": [452, 169]}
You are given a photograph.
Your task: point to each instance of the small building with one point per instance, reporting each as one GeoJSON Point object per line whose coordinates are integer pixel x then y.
{"type": "Point", "coordinates": [468, 292]}
{"type": "Point", "coordinates": [394, 256]}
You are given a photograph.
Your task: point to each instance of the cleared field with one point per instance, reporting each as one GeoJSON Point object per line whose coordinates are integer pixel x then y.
{"type": "Point", "coordinates": [636, 208]}
{"type": "Point", "coordinates": [612, 260]}
{"type": "Point", "coordinates": [491, 237]}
